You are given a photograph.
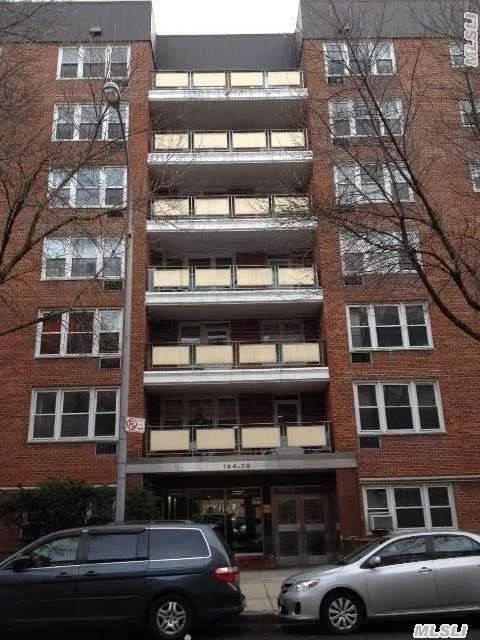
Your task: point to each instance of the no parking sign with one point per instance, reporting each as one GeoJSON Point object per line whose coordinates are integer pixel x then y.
{"type": "Point", "coordinates": [135, 425]}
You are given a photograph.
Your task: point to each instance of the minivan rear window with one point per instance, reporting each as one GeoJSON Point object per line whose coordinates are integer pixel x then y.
{"type": "Point", "coordinates": [175, 544]}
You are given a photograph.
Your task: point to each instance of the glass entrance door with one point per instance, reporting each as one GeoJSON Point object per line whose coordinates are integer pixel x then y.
{"type": "Point", "coordinates": [299, 528]}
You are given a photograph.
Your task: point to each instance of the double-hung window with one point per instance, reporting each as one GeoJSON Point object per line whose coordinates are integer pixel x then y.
{"type": "Point", "coordinates": [377, 252]}
{"type": "Point", "coordinates": [470, 112]}
{"type": "Point", "coordinates": [393, 407]}
{"type": "Point", "coordinates": [72, 257]}
{"type": "Point", "coordinates": [356, 118]}
{"type": "Point", "coordinates": [94, 62]}
{"type": "Point", "coordinates": [88, 188]}
{"type": "Point", "coordinates": [359, 58]}
{"type": "Point", "coordinates": [371, 183]}
{"type": "Point", "coordinates": [389, 326]}
{"type": "Point", "coordinates": [475, 173]}
{"type": "Point", "coordinates": [79, 333]}
{"type": "Point", "coordinates": [80, 414]}
{"type": "Point", "coordinates": [412, 507]}
{"type": "Point", "coordinates": [88, 122]}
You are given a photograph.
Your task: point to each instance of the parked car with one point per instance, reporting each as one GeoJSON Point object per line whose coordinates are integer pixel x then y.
{"type": "Point", "coordinates": [410, 574]}
{"type": "Point", "coordinates": [167, 575]}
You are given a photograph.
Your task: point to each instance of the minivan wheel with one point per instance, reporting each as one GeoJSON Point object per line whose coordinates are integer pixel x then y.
{"type": "Point", "coordinates": [342, 612]}
{"type": "Point", "coordinates": [171, 617]}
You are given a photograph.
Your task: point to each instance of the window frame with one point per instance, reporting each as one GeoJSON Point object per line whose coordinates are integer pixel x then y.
{"type": "Point", "coordinates": [363, 248]}
{"type": "Point", "coordinates": [374, 118]}
{"type": "Point", "coordinates": [413, 404]}
{"type": "Point", "coordinates": [92, 412]}
{"type": "Point", "coordinates": [426, 506]}
{"type": "Point", "coordinates": [72, 185]}
{"type": "Point", "coordinates": [64, 333]}
{"type": "Point", "coordinates": [69, 255]}
{"type": "Point", "coordinates": [475, 176]}
{"type": "Point", "coordinates": [467, 108]}
{"type": "Point", "coordinates": [186, 410]}
{"type": "Point", "coordinates": [453, 55]}
{"type": "Point", "coordinates": [103, 118]}
{"type": "Point", "coordinates": [372, 326]}
{"type": "Point", "coordinates": [107, 65]}
{"type": "Point", "coordinates": [373, 59]}
{"type": "Point", "coordinates": [354, 181]}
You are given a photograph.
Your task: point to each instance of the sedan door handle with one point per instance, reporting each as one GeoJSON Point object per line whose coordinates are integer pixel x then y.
{"type": "Point", "coordinates": [425, 570]}
{"type": "Point", "coordinates": [63, 574]}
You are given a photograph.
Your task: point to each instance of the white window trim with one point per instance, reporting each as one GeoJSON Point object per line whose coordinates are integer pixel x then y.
{"type": "Point", "coordinates": [403, 326]}
{"type": "Point", "coordinates": [104, 117]}
{"type": "Point", "coordinates": [371, 47]}
{"type": "Point", "coordinates": [425, 505]}
{"type": "Point", "coordinates": [58, 415]}
{"type": "Point", "coordinates": [353, 120]}
{"type": "Point", "coordinates": [386, 190]}
{"type": "Point", "coordinates": [363, 247]}
{"type": "Point", "coordinates": [412, 395]}
{"type": "Point", "coordinates": [72, 185]}
{"type": "Point", "coordinates": [81, 57]}
{"type": "Point", "coordinates": [64, 336]}
{"type": "Point", "coordinates": [214, 399]}
{"type": "Point", "coordinates": [68, 243]}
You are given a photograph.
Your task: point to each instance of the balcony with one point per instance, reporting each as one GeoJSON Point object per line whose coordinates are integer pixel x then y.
{"type": "Point", "coordinates": [247, 439]}
{"type": "Point", "coordinates": [228, 98]}
{"type": "Point", "coordinates": [271, 159]}
{"type": "Point", "coordinates": [234, 291]}
{"type": "Point", "coordinates": [296, 366]}
{"type": "Point", "coordinates": [182, 225]}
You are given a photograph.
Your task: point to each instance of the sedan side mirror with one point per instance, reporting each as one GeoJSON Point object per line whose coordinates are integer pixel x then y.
{"type": "Point", "coordinates": [21, 563]}
{"type": "Point", "coordinates": [374, 561]}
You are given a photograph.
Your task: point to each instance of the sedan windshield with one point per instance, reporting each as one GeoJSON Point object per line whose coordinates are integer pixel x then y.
{"type": "Point", "coordinates": [358, 554]}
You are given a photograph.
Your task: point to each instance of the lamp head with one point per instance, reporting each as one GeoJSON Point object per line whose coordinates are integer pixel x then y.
{"type": "Point", "coordinates": [111, 93]}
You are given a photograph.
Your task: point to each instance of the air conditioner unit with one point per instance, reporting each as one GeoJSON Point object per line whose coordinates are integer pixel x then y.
{"type": "Point", "coordinates": [336, 79]}
{"type": "Point", "coordinates": [380, 522]}
{"type": "Point", "coordinates": [110, 363]}
{"type": "Point", "coordinates": [112, 285]}
{"type": "Point", "coordinates": [369, 442]}
{"type": "Point", "coordinates": [342, 142]}
{"type": "Point", "coordinates": [353, 279]}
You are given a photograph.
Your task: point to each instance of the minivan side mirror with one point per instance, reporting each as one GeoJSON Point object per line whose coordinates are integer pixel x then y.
{"type": "Point", "coordinates": [21, 563]}
{"type": "Point", "coordinates": [374, 561]}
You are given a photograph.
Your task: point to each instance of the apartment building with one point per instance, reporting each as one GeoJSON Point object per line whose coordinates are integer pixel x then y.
{"type": "Point", "coordinates": [286, 400]}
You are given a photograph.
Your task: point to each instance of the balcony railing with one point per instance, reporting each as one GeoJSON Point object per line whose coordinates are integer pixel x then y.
{"type": "Point", "coordinates": [234, 439]}
{"type": "Point", "coordinates": [231, 206]}
{"type": "Point", "coordinates": [265, 140]}
{"type": "Point", "coordinates": [234, 80]}
{"type": "Point", "coordinates": [231, 277]}
{"type": "Point", "coordinates": [240, 355]}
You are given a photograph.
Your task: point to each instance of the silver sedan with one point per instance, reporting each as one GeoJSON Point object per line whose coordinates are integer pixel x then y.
{"type": "Point", "coordinates": [428, 572]}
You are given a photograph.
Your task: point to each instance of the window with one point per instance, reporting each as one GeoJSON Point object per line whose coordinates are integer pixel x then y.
{"type": "Point", "coordinates": [86, 414]}
{"type": "Point", "coordinates": [398, 407]}
{"type": "Point", "coordinates": [115, 547]}
{"type": "Point", "coordinates": [176, 544]}
{"type": "Point", "coordinates": [72, 257]}
{"type": "Point", "coordinates": [205, 333]}
{"type": "Point", "coordinates": [204, 411]}
{"type": "Point", "coordinates": [470, 112]}
{"type": "Point", "coordinates": [412, 507]}
{"type": "Point", "coordinates": [283, 331]}
{"type": "Point", "coordinates": [359, 58]}
{"type": "Point", "coordinates": [383, 252]}
{"type": "Point", "coordinates": [93, 62]}
{"type": "Point", "coordinates": [475, 173]}
{"type": "Point", "coordinates": [87, 122]}
{"type": "Point", "coordinates": [389, 326]}
{"type": "Point", "coordinates": [371, 183]}
{"type": "Point", "coordinates": [457, 56]}
{"type": "Point", "coordinates": [453, 546]}
{"type": "Point", "coordinates": [71, 333]}
{"type": "Point", "coordinates": [350, 118]}
{"type": "Point", "coordinates": [405, 550]}
{"type": "Point", "coordinates": [58, 552]}
{"type": "Point", "coordinates": [88, 188]}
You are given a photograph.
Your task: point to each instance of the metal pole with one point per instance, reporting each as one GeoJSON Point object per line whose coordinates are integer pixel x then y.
{"type": "Point", "coordinates": [122, 451]}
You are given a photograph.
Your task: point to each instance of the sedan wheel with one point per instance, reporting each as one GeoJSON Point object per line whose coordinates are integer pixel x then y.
{"type": "Point", "coordinates": [342, 613]}
{"type": "Point", "coordinates": [171, 617]}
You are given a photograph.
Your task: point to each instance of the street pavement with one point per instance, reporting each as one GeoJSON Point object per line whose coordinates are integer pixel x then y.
{"type": "Point", "coordinates": [255, 628]}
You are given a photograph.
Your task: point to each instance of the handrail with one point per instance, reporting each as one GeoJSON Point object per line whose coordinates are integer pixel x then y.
{"type": "Point", "coordinates": [225, 141]}
{"type": "Point", "coordinates": [233, 79]}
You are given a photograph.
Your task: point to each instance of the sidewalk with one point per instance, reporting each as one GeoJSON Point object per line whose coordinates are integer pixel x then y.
{"type": "Point", "coordinates": [261, 588]}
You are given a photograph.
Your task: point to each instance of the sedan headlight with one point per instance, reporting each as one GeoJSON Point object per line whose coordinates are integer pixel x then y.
{"type": "Point", "coordinates": [306, 584]}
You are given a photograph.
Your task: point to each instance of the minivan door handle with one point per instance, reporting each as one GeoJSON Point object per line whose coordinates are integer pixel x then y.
{"type": "Point", "coordinates": [92, 573]}
{"type": "Point", "coordinates": [425, 570]}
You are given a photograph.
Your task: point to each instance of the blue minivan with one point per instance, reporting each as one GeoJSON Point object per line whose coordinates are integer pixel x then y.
{"type": "Point", "coordinates": [166, 575]}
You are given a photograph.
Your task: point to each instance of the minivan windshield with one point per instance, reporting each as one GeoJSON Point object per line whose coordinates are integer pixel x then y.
{"type": "Point", "coordinates": [358, 554]}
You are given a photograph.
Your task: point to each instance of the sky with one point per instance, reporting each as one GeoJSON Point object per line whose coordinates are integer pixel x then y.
{"type": "Point", "coordinates": [225, 16]}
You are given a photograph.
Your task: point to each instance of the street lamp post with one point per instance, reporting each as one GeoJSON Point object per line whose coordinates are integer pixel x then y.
{"type": "Point", "coordinates": [111, 93]}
